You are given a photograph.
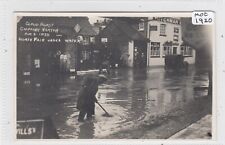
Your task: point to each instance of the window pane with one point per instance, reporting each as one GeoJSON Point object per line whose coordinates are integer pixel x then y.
{"type": "Point", "coordinates": [141, 26]}
{"type": "Point", "coordinates": [175, 37]}
{"type": "Point", "coordinates": [155, 49]}
{"type": "Point", "coordinates": [176, 30]}
{"type": "Point", "coordinates": [186, 51]}
{"type": "Point", "coordinates": [162, 29]}
{"type": "Point", "coordinates": [153, 28]}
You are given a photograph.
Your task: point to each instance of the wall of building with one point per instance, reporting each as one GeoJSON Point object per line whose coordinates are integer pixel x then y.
{"type": "Point", "coordinates": [130, 53]}
{"type": "Point", "coordinates": [143, 20]}
{"type": "Point", "coordinates": [24, 61]}
{"type": "Point", "coordinates": [123, 53]}
{"type": "Point", "coordinates": [71, 57]}
{"type": "Point", "coordinates": [154, 36]}
{"type": "Point", "coordinates": [156, 61]}
{"type": "Point", "coordinates": [191, 60]}
{"type": "Point", "coordinates": [161, 61]}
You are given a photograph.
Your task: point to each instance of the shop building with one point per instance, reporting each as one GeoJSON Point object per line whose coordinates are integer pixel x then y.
{"type": "Point", "coordinates": [52, 45]}
{"type": "Point", "coordinates": [166, 39]}
{"type": "Point", "coordinates": [126, 45]}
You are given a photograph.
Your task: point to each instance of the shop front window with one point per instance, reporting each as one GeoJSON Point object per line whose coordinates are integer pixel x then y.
{"type": "Point", "coordinates": [155, 49]}
{"type": "Point", "coordinates": [79, 39]}
{"type": "Point", "coordinates": [86, 55]}
{"type": "Point", "coordinates": [186, 50]}
{"type": "Point", "coordinates": [85, 40]}
{"type": "Point", "coordinates": [37, 63]}
{"type": "Point", "coordinates": [167, 50]}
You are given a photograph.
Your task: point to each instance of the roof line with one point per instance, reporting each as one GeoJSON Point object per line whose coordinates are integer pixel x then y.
{"type": "Point", "coordinates": [130, 28]}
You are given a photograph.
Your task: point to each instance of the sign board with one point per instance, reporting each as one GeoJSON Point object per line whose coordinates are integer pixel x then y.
{"type": "Point", "coordinates": [167, 20]}
{"type": "Point", "coordinates": [36, 129]}
{"type": "Point", "coordinates": [30, 129]}
{"type": "Point", "coordinates": [77, 28]}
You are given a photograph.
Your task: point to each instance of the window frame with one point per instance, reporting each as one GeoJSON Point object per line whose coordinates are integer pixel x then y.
{"type": "Point", "coordinates": [86, 55]}
{"type": "Point", "coordinates": [177, 37]}
{"type": "Point", "coordinates": [141, 26]}
{"type": "Point", "coordinates": [176, 30]}
{"type": "Point", "coordinates": [86, 40]}
{"type": "Point", "coordinates": [92, 39]}
{"type": "Point", "coordinates": [162, 30]}
{"type": "Point", "coordinates": [153, 26]}
{"type": "Point", "coordinates": [186, 51]}
{"type": "Point", "coordinates": [168, 49]}
{"type": "Point", "coordinates": [155, 50]}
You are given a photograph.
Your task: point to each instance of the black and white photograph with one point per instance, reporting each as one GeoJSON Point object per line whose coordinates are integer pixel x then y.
{"type": "Point", "coordinates": [113, 76]}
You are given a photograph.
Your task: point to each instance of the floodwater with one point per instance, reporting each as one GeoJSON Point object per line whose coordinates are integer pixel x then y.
{"type": "Point", "coordinates": [130, 96]}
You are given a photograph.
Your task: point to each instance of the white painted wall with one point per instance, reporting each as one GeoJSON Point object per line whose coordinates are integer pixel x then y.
{"type": "Point", "coordinates": [131, 53]}
{"type": "Point", "coordinates": [156, 61]}
{"type": "Point", "coordinates": [154, 36]}
{"type": "Point", "coordinates": [191, 60]}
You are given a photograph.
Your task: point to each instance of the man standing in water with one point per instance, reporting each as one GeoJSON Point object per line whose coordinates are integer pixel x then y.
{"type": "Point", "coordinates": [86, 100]}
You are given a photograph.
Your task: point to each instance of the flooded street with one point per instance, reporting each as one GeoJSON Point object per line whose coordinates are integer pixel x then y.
{"type": "Point", "coordinates": [132, 97]}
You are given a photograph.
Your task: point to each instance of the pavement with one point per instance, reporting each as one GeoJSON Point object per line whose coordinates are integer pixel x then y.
{"type": "Point", "coordinates": [199, 130]}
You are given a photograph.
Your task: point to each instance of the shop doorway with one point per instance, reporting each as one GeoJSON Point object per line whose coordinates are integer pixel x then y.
{"type": "Point", "coordinates": [88, 57]}
{"type": "Point", "coordinates": [140, 54]}
{"type": "Point", "coordinates": [174, 50]}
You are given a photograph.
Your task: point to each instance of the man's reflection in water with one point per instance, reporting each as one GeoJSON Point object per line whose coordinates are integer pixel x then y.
{"type": "Point", "coordinates": [86, 131]}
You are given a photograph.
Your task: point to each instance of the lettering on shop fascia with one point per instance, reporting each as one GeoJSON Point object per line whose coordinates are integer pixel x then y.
{"type": "Point", "coordinates": [167, 20]}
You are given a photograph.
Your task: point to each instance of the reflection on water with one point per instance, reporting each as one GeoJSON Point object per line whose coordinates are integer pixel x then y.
{"type": "Point", "coordinates": [86, 131]}
{"type": "Point", "coordinates": [129, 96]}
